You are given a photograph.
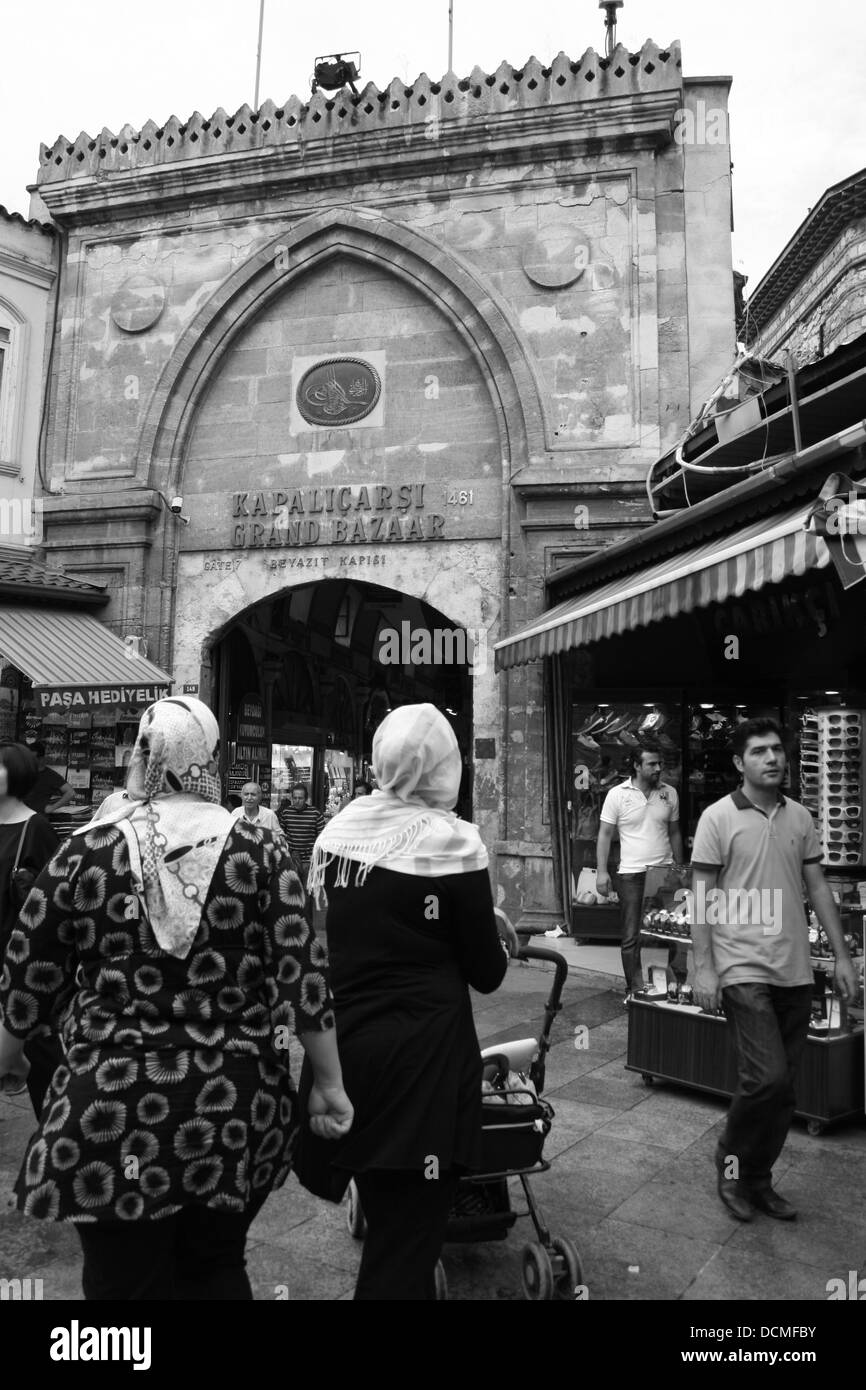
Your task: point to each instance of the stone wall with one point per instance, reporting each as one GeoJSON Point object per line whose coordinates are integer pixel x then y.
{"type": "Point", "coordinates": [27, 275]}
{"type": "Point", "coordinates": [536, 265]}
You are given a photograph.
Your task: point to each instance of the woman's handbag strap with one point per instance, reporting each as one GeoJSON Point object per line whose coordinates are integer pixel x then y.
{"type": "Point", "coordinates": [21, 842]}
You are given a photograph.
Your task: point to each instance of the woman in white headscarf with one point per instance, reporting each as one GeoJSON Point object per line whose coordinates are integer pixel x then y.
{"type": "Point", "coordinates": [168, 941]}
{"type": "Point", "coordinates": [410, 926]}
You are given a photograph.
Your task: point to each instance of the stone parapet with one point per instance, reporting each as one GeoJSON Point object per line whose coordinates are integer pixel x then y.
{"type": "Point", "coordinates": [436, 109]}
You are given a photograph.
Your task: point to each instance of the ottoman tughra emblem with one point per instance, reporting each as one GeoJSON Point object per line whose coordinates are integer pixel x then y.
{"type": "Point", "coordinates": [338, 391]}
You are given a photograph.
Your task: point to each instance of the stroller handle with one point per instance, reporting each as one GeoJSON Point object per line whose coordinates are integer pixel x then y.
{"type": "Point", "coordinates": [551, 1008]}
{"type": "Point", "coordinates": [553, 958]}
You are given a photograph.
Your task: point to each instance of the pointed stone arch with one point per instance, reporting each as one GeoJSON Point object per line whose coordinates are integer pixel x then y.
{"type": "Point", "coordinates": [471, 307]}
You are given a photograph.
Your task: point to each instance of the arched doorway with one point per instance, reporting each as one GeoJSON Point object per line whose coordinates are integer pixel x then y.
{"type": "Point", "coordinates": [302, 679]}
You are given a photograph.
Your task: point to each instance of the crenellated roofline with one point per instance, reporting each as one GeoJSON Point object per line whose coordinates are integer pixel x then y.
{"type": "Point", "coordinates": [426, 105]}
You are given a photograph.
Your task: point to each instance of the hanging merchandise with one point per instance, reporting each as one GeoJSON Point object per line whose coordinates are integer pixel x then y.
{"type": "Point", "coordinates": [840, 785]}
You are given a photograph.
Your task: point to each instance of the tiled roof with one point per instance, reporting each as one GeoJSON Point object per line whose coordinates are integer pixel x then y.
{"type": "Point", "coordinates": [20, 575]}
{"type": "Point", "coordinates": [8, 216]}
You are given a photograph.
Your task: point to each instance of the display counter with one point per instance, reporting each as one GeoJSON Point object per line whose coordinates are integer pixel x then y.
{"type": "Point", "coordinates": [676, 1042]}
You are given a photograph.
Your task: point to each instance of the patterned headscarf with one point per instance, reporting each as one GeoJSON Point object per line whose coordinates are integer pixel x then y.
{"type": "Point", "coordinates": [407, 825]}
{"type": "Point", "coordinates": [170, 816]}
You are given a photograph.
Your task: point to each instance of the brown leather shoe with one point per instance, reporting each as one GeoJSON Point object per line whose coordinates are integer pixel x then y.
{"type": "Point", "coordinates": [772, 1204]}
{"type": "Point", "coordinates": [737, 1202]}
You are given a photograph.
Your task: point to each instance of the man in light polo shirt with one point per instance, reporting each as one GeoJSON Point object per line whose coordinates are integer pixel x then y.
{"type": "Point", "coordinates": [253, 812]}
{"type": "Point", "coordinates": [753, 851]}
{"type": "Point", "coordinates": [645, 811]}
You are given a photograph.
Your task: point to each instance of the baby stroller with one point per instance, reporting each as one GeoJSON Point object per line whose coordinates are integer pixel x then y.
{"type": "Point", "coordinates": [515, 1121]}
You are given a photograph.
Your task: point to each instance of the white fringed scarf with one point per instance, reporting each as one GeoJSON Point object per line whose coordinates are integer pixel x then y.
{"type": "Point", "coordinates": [407, 825]}
{"type": "Point", "coordinates": [170, 816]}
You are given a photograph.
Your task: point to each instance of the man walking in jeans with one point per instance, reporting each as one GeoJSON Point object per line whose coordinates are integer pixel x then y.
{"type": "Point", "coordinates": [645, 811]}
{"type": "Point", "coordinates": [752, 853]}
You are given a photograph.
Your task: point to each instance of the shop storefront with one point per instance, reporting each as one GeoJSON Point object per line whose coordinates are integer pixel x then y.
{"type": "Point", "coordinates": [71, 684]}
{"type": "Point", "coordinates": [668, 645]}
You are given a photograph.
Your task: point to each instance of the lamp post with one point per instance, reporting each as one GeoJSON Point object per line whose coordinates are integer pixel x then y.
{"type": "Point", "coordinates": [610, 8]}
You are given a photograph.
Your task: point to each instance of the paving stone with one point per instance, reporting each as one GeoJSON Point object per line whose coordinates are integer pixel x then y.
{"type": "Point", "coordinates": [594, 1088]}
{"type": "Point", "coordinates": [574, 1121]}
{"type": "Point", "coordinates": [272, 1270]}
{"type": "Point", "coordinates": [667, 1129]}
{"type": "Point", "coordinates": [625, 1157]}
{"type": "Point", "coordinates": [733, 1274]}
{"type": "Point", "coordinates": [665, 1266]}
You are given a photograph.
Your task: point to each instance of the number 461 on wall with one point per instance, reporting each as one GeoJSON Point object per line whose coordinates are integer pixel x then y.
{"type": "Point", "coordinates": [458, 496]}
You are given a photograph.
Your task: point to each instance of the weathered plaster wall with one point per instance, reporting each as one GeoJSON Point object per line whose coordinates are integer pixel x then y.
{"type": "Point", "coordinates": [438, 427]}
{"type": "Point", "coordinates": [27, 274]}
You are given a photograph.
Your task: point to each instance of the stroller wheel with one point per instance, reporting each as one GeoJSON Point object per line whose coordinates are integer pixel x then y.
{"type": "Point", "coordinates": [355, 1219]}
{"type": "Point", "coordinates": [570, 1272]}
{"type": "Point", "coordinates": [441, 1283]}
{"type": "Point", "coordinates": [538, 1281]}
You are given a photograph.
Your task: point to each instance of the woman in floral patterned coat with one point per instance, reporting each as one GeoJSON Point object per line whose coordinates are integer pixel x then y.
{"type": "Point", "coordinates": [168, 945]}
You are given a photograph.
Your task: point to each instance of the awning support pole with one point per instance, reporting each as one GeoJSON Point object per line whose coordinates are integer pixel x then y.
{"type": "Point", "coordinates": [795, 404]}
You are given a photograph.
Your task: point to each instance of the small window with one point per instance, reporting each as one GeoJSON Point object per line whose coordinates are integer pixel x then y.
{"type": "Point", "coordinates": [5, 342]}
{"type": "Point", "coordinates": [11, 390]}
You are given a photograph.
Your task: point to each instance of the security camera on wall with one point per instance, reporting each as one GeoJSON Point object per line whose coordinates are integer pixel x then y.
{"type": "Point", "coordinates": [176, 505]}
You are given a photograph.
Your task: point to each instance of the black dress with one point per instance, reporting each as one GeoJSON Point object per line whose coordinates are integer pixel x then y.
{"type": "Point", "coordinates": [403, 950]}
{"type": "Point", "coordinates": [40, 842]}
{"type": "Point", "coordinates": [175, 1090]}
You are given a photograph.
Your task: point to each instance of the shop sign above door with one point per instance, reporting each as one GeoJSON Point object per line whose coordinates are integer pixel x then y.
{"type": "Point", "coordinates": [251, 731]}
{"type": "Point", "coordinates": [338, 391]}
{"type": "Point", "coordinates": [81, 697]}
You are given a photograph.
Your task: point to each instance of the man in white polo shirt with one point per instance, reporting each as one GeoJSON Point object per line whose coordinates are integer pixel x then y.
{"type": "Point", "coordinates": [253, 812]}
{"type": "Point", "coordinates": [752, 854]}
{"type": "Point", "coordinates": [645, 811]}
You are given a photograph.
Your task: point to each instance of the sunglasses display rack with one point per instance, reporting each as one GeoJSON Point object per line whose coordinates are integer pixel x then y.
{"type": "Point", "coordinates": [831, 782]}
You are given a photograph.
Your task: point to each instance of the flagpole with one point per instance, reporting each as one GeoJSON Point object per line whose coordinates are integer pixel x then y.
{"type": "Point", "coordinates": [259, 53]}
{"type": "Point", "coordinates": [450, 35]}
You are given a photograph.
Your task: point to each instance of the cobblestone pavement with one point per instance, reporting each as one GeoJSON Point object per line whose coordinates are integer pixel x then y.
{"type": "Point", "coordinates": [631, 1183]}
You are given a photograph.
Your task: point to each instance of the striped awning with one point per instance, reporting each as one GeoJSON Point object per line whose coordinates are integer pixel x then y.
{"type": "Point", "coordinates": [765, 552]}
{"type": "Point", "coordinates": [75, 662]}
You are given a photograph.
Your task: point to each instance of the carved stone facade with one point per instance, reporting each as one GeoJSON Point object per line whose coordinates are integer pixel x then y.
{"type": "Point", "coordinates": [813, 298]}
{"type": "Point", "coordinates": [533, 266]}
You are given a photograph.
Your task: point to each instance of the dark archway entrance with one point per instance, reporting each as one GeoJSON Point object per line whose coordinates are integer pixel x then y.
{"type": "Point", "coordinates": [303, 679]}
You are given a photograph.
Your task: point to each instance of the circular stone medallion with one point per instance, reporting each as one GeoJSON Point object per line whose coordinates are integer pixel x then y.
{"type": "Point", "coordinates": [138, 303]}
{"type": "Point", "coordinates": [556, 257]}
{"type": "Point", "coordinates": [338, 391]}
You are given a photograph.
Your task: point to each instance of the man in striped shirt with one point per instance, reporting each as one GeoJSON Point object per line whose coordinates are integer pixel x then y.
{"type": "Point", "coordinates": [301, 824]}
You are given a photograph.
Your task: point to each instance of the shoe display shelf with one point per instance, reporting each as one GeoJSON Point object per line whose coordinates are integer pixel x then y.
{"type": "Point", "coordinates": [680, 1043]}
{"type": "Point", "coordinates": [710, 773]}
{"type": "Point", "coordinates": [603, 737]}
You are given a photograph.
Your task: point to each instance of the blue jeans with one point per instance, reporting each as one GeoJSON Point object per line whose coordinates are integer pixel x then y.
{"type": "Point", "coordinates": [769, 1026]}
{"type": "Point", "coordinates": [630, 889]}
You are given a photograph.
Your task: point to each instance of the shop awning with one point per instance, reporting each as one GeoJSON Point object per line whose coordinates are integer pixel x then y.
{"type": "Point", "coordinates": [75, 662]}
{"type": "Point", "coordinates": [765, 552]}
